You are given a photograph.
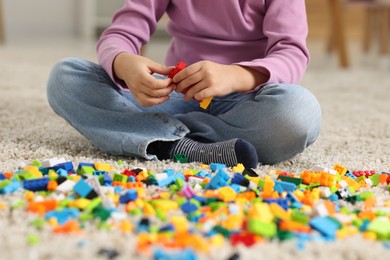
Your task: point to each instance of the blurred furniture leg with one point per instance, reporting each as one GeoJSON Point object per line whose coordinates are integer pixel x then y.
{"type": "Point", "coordinates": [2, 30]}
{"type": "Point", "coordinates": [385, 27]}
{"type": "Point", "coordinates": [338, 33]}
{"type": "Point", "coordinates": [368, 33]}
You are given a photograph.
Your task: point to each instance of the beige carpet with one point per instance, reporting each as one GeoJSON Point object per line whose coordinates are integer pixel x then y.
{"type": "Point", "coordinates": [355, 133]}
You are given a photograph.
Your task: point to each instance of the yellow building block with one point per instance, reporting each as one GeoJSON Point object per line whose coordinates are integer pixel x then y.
{"type": "Point", "coordinates": [238, 168]}
{"type": "Point", "coordinates": [261, 211]}
{"type": "Point", "coordinates": [227, 194]}
{"type": "Point", "coordinates": [180, 223]}
{"type": "Point", "coordinates": [103, 167]}
{"type": "Point", "coordinates": [279, 212]}
{"type": "Point", "coordinates": [34, 170]}
{"type": "Point", "coordinates": [205, 102]}
{"type": "Point", "coordinates": [340, 169]}
{"type": "Point", "coordinates": [80, 203]}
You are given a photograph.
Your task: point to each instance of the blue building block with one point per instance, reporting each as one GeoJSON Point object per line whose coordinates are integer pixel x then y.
{"type": "Point", "coordinates": [169, 172]}
{"type": "Point", "coordinates": [179, 175]}
{"type": "Point", "coordinates": [67, 166]}
{"type": "Point", "coordinates": [217, 166]}
{"type": "Point", "coordinates": [280, 201]}
{"type": "Point", "coordinates": [99, 173]}
{"type": "Point", "coordinates": [349, 174]}
{"type": "Point", "coordinates": [201, 174]}
{"type": "Point", "coordinates": [185, 254]}
{"type": "Point", "coordinates": [286, 186]}
{"type": "Point", "coordinates": [118, 189]}
{"type": "Point", "coordinates": [107, 180]}
{"type": "Point", "coordinates": [223, 175]}
{"type": "Point", "coordinates": [166, 228]}
{"type": "Point", "coordinates": [326, 226]}
{"type": "Point", "coordinates": [62, 172]}
{"type": "Point", "coordinates": [201, 199]}
{"type": "Point", "coordinates": [167, 181]}
{"type": "Point", "coordinates": [63, 215]}
{"type": "Point", "coordinates": [11, 187]}
{"type": "Point", "coordinates": [2, 177]}
{"type": "Point", "coordinates": [188, 207]}
{"type": "Point", "coordinates": [216, 182]}
{"type": "Point", "coordinates": [39, 184]}
{"type": "Point", "coordinates": [237, 178]}
{"type": "Point", "coordinates": [82, 188]}
{"type": "Point", "coordinates": [129, 195]}
{"type": "Point", "coordinates": [235, 187]}
{"type": "Point", "coordinates": [333, 197]}
{"type": "Point", "coordinates": [278, 188]}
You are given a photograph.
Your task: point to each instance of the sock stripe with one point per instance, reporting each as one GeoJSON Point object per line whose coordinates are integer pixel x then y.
{"type": "Point", "coordinates": [222, 152]}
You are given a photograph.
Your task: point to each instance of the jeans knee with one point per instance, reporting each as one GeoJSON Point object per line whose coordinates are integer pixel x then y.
{"type": "Point", "coordinates": [58, 79]}
{"type": "Point", "coordinates": [294, 126]}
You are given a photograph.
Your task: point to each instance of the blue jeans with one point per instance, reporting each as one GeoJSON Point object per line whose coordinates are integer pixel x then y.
{"type": "Point", "coordinates": [280, 120]}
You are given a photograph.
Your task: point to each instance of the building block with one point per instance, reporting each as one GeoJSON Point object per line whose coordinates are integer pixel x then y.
{"type": "Point", "coordinates": [39, 184]}
{"type": "Point", "coordinates": [217, 166]}
{"type": "Point", "coordinates": [326, 226]}
{"type": "Point", "coordinates": [129, 195]}
{"type": "Point", "coordinates": [179, 67]}
{"type": "Point", "coordinates": [52, 162]}
{"type": "Point", "coordinates": [82, 188]}
{"type": "Point", "coordinates": [261, 228]}
{"type": "Point", "coordinates": [180, 158]}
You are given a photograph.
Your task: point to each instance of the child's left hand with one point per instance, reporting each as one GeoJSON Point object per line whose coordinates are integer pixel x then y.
{"type": "Point", "coordinates": [208, 79]}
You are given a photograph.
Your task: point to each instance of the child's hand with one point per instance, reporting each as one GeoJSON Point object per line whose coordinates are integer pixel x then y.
{"type": "Point", "coordinates": [136, 72]}
{"type": "Point", "coordinates": [208, 79]}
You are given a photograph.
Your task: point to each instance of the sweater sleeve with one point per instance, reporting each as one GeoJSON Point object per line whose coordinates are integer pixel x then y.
{"type": "Point", "coordinates": [286, 56]}
{"type": "Point", "coordinates": [132, 25]}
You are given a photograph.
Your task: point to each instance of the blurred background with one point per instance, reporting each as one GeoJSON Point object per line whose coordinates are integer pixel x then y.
{"type": "Point", "coordinates": [343, 33]}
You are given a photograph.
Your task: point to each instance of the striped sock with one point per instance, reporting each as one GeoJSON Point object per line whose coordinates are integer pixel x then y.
{"type": "Point", "coordinates": [230, 152]}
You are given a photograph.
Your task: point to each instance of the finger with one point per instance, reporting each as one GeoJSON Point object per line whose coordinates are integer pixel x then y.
{"type": "Point", "coordinates": [156, 92]}
{"type": "Point", "coordinates": [155, 67]}
{"type": "Point", "coordinates": [186, 72]}
{"type": "Point", "coordinates": [147, 101]}
{"type": "Point", "coordinates": [184, 85]}
{"type": "Point", "coordinates": [153, 83]}
{"type": "Point", "coordinates": [195, 89]}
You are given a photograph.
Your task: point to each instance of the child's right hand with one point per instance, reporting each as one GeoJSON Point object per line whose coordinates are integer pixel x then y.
{"type": "Point", "coordinates": [136, 72]}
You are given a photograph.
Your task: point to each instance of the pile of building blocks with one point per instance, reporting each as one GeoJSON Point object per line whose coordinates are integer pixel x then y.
{"type": "Point", "coordinates": [199, 210]}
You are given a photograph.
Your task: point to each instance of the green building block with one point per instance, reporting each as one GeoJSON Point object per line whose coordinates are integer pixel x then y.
{"type": "Point", "coordinates": [300, 217]}
{"type": "Point", "coordinates": [32, 239]}
{"type": "Point", "coordinates": [38, 223]}
{"type": "Point", "coordinates": [285, 235]}
{"type": "Point", "coordinates": [302, 187]}
{"type": "Point", "coordinates": [294, 180]}
{"type": "Point", "coordinates": [375, 179]}
{"type": "Point", "coordinates": [93, 204]}
{"type": "Point", "coordinates": [85, 170]}
{"type": "Point", "coordinates": [366, 194]}
{"type": "Point", "coordinates": [381, 228]}
{"type": "Point", "coordinates": [36, 163]}
{"type": "Point", "coordinates": [4, 183]}
{"type": "Point", "coordinates": [161, 215]}
{"type": "Point", "coordinates": [101, 212]}
{"type": "Point", "coordinates": [263, 229]}
{"type": "Point", "coordinates": [119, 178]}
{"type": "Point", "coordinates": [221, 230]}
{"type": "Point", "coordinates": [120, 162]}
{"type": "Point", "coordinates": [24, 175]}
{"type": "Point", "coordinates": [180, 158]}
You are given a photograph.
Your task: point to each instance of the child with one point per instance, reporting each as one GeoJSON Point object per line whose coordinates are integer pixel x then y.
{"type": "Point", "coordinates": [247, 54]}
